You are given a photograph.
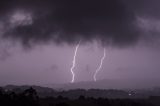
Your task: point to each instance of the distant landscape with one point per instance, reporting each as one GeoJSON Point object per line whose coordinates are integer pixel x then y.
{"type": "Point", "coordinates": [95, 93]}
{"type": "Point", "coordinates": [44, 96]}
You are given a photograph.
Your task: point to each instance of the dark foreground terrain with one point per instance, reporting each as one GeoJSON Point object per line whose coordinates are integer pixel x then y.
{"type": "Point", "coordinates": [29, 97]}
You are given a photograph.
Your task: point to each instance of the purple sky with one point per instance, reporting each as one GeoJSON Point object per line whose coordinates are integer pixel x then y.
{"type": "Point", "coordinates": [38, 39]}
{"type": "Point", "coordinates": [51, 64]}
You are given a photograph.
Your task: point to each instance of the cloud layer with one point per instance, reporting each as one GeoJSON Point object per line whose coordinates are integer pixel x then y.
{"type": "Point", "coordinates": [68, 21]}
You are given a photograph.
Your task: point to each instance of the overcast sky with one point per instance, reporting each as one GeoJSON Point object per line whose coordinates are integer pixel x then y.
{"type": "Point", "coordinates": [38, 39]}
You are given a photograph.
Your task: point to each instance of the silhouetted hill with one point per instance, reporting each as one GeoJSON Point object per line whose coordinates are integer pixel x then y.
{"type": "Point", "coordinates": [74, 93]}
{"type": "Point", "coordinates": [24, 87]}
{"type": "Point", "coordinates": [42, 91]}
{"type": "Point", "coordinates": [29, 97]}
{"type": "Point", "coordinates": [96, 93]}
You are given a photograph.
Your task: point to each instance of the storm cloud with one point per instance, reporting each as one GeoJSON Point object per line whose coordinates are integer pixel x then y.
{"type": "Point", "coordinates": [68, 21]}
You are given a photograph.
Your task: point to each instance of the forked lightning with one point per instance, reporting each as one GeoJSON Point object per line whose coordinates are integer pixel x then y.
{"type": "Point", "coordinates": [100, 66]}
{"type": "Point", "coordinates": [74, 62]}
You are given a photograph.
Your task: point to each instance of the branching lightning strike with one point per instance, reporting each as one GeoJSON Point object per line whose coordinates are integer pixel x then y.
{"type": "Point", "coordinates": [74, 62]}
{"type": "Point", "coordinates": [100, 66]}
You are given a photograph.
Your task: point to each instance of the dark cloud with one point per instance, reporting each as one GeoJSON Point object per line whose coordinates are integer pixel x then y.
{"type": "Point", "coordinates": [147, 8]}
{"type": "Point", "coordinates": [148, 16]}
{"type": "Point", "coordinates": [109, 21]}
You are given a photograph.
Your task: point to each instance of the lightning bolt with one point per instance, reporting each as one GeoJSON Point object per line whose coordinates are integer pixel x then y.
{"type": "Point", "coordinates": [100, 66]}
{"type": "Point", "coordinates": [74, 62]}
